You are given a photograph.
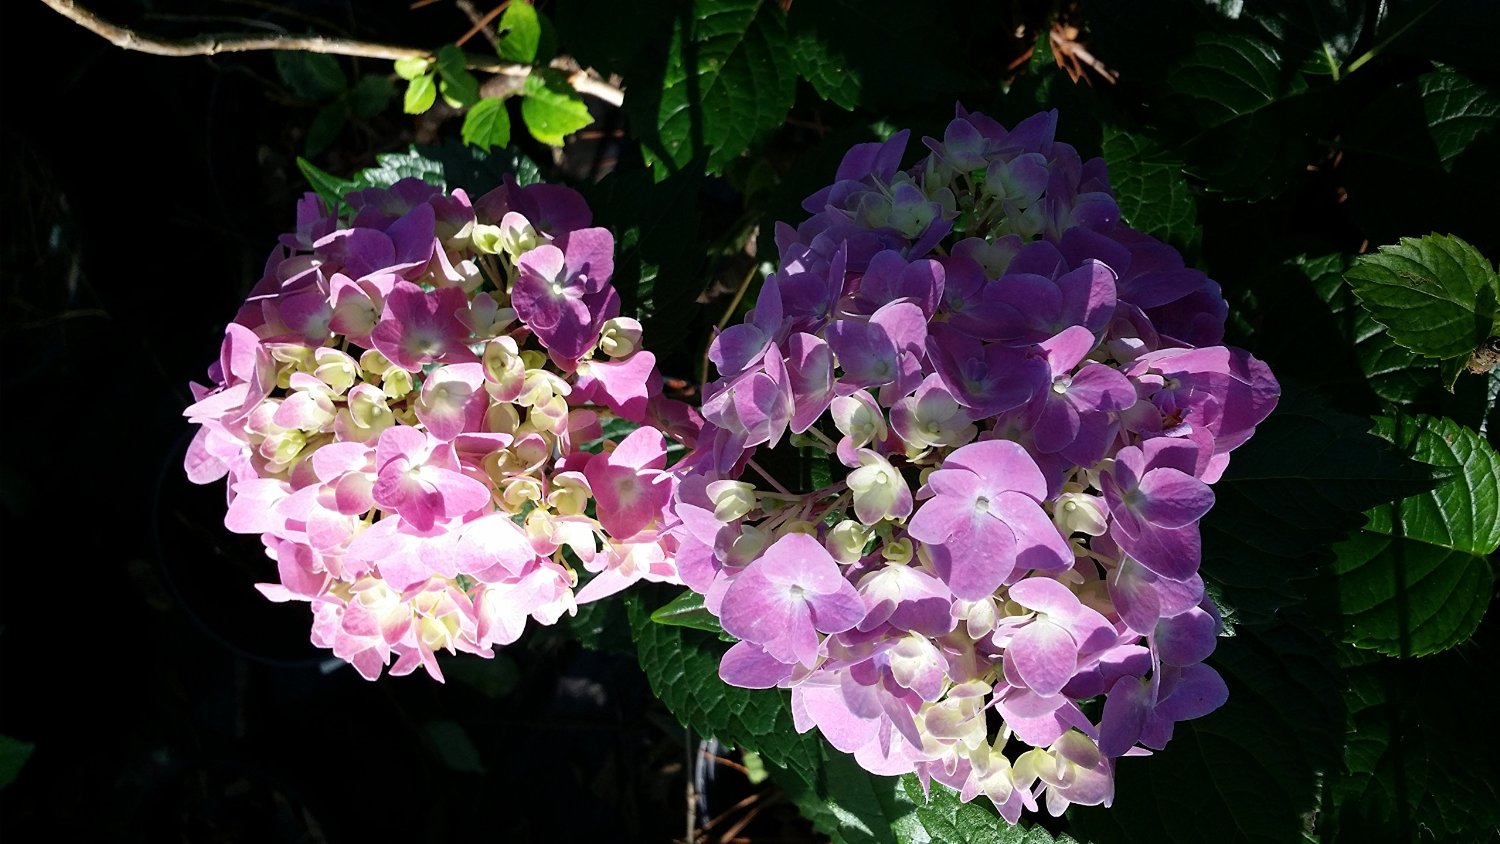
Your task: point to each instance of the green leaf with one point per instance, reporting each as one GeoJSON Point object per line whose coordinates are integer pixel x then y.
{"type": "Point", "coordinates": [311, 76]}
{"type": "Point", "coordinates": [852, 806]}
{"type": "Point", "coordinates": [614, 37]}
{"type": "Point", "coordinates": [411, 68]}
{"type": "Point", "coordinates": [1415, 766]}
{"type": "Point", "coordinates": [370, 96]}
{"type": "Point", "coordinates": [1436, 294]}
{"type": "Point", "coordinates": [326, 185]}
{"type": "Point", "coordinates": [326, 126]}
{"type": "Point", "coordinates": [683, 667]}
{"type": "Point", "coordinates": [392, 167]}
{"type": "Point", "coordinates": [1299, 484]}
{"type": "Point", "coordinates": [451, 163]}
{"type": "Point", "coordinates": [520, 32]}
{"type": "Point", "coordinates": [1395, 374]}
{"type": "Point", "coordinates": [453, 746]}
{"type": "Point", "coordinates": [1412, 158]}
{"type": "Point", "coordinates": [658, 256]}
{"type": "Point", "coordinates": [13, 756]}
{"type": "Point", "coordinates": [1321, 34]}
{"type": "Point", "coordinates": [1150, 188]}
{"type": "Point", "coordinates": [487, 124]}
{"type": "Point", "coordinates": [687, 610]}
{"type": "Point", "coordinates": [601, 626]}
{"type": "Point", "coordinates": [552, 109]}
{"type": "Point", "coordinates": [845, 802]}
{"type": "Point", "coordinates": [730, 75]}
{"type": "Point", "coordinates": [459, 85]}
{"type": "Point", "coordinates": [1417, 580]}
{"type": "Point", "coordinates": [1251, 118]}
{"type": "Point", "coordinates": [844, 49]}
{"type": "Point", "coordinates": [941, 817]}
{"type": "Point", "coordinates": [421, 93]}
{"type": "Point", "coordinates": [1248, 772]}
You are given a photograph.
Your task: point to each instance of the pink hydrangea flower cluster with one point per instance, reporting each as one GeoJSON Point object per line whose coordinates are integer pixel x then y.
{"type": "Point", "coordinates": [402, 407]}
{"type": "Point", "coordinates": [1030, 401]}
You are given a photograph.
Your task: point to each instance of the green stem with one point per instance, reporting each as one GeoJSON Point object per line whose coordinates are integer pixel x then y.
{"type": "Point", "coordinates": [1374, 52]}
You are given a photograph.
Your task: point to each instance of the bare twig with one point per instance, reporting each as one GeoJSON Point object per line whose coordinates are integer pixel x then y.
{"type": "Point", "coordinates": [481, 23]}
{"type": "Point", "coordinates": [211, 45]}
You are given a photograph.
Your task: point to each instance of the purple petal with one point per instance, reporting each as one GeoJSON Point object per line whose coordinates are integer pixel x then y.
{"type": "Point", "coordinates": [1173, 499]}
{"type": "Point", "coordinates": [749, 666]}
{"type": "Point", "coordinates": [1044, 655]}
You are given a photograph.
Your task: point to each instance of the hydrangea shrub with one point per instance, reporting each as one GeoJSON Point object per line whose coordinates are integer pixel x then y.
{"type": "Point", "coordinates": [410, 412]}
{"type": "Point", "coordinates": [1028, 402]}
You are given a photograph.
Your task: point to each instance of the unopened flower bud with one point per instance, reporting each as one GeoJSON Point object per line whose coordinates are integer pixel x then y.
{"type": "Point", "coordinates": [336, 369]}
{"type": "Point", "coordinates": [520, 490]}
{"type": "Point", "coordinates": [898, 552]}
{"type": "Point", "coordinates": [488, 239]}
{"type": "Point", "coordinates": [570, 494]}
{"type": "Point", "coordinates": [802, 526]}
{"type": "Point", "coordinates": [397, 384]}
{"type": "Point", "coordinates": [732, 499]}
{"type": "Point", "coordinates": [620, 337]}
{"type": "Point", "coordinates": [748, 545]}
{"type": "Point", "coordinates": [847, 540]}
{"type": "Point", "coordinates": [1076, 512]}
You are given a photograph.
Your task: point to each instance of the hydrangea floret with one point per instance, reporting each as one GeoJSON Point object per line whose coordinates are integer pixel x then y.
{"type": "Point", "coordinates": [410, 409]}
{"type": "Point", "coordinates": [1027, 402]}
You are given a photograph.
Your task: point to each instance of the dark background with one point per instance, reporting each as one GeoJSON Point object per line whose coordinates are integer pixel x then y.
{"type": "Point", "coordinates": [167, 700]}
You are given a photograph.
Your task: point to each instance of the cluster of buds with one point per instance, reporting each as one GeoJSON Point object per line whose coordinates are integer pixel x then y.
{"type": "Point", "coordinates": [1029, 401]}
{"type": "Point", "coordinates": [411, 409]}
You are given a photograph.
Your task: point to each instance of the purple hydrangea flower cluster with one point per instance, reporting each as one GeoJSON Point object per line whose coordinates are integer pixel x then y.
{"type": "Point", "coordinates": [402, 407]}
{"type": "Point", "coordinates": [1031, 400]}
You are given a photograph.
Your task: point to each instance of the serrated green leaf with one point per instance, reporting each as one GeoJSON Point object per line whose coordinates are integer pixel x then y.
{"type": "Point", "coordinates": [452, 163]}
{"type": "Point", "coordinates": [683, 667]}
{"type": "Point", "coordinates": [421, 93]}
{"type": "Point", "coordinates": [658, 256]}
{"type": "Point", "coordinates": [13, 756]}
{"type": "Point", "coordinates": [411, 68]}
{"type": "Point", "coordinates": [370, 95]}
{"type": "Point", "coordinates": [1417, 580]}
{"type": "Point", "coordinates": [551, 108]}
{"type": "Point", "coordinates": [325, 127]}
{"type": "Point", "coordinates": [939, 816]}
{"type": "Point", "coordinates": [845, 802]}
{"type": "Point", "coordinates": [844, 49]}
{"type": "Point", "coordinates": [392, 167]}
{"type": "Point", "coordinates": [1251, 116]}
{"type": "Point", "coordinates": [730, 75]}
{"type": "Point", "coordinates": [1394, 373]}
{"type": "Point", "coordinates": [311, 76]}
{"type": "Point", "coordinates": [1299, 484]}
{"type": "Point", "coordinates": [1436, 294]}
{"type": "Point", "coordinates": [1415, 766]}
{"type": "Point", "coordinates": [852, 806]}
{"type": "Point", "coordinates": [1402, 597]}
{"type": "Point", "coordinates": [1251, 770]}
{"type": "Point", "coordinates": [687, 610]}
{"type": "Point", "coordinates": [601, 626]}
{"type": "Point", "coordinates": [520, 32]}
{"type": "Point", "coordinates": [1149, 186]}
{"type": "Point", "coordinates": [1319, 34]}
{"type": "Point", "coordinates": [1413, 157]}
{"type": "Point", "coordinates": [487, 124]}
{"type": "Point", "coordinates": [459, 85]}
{"type": "Point", "coordinates": [330, 187]}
